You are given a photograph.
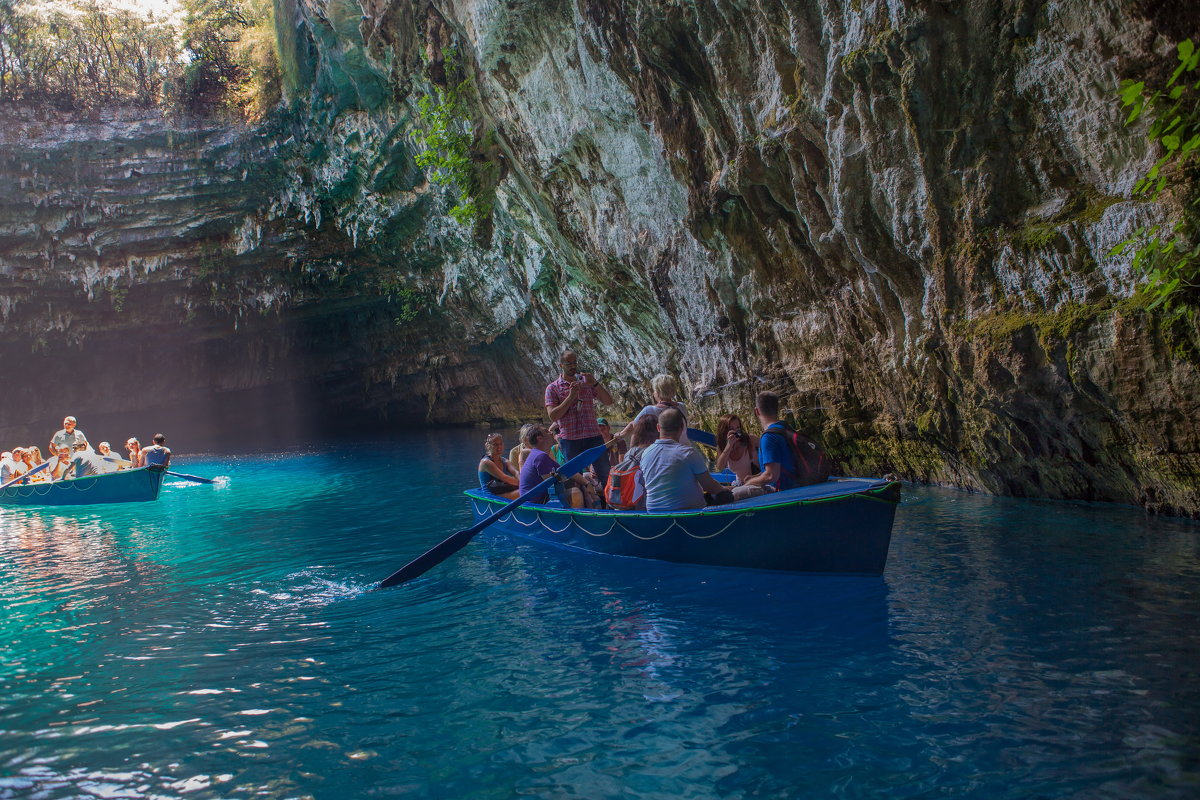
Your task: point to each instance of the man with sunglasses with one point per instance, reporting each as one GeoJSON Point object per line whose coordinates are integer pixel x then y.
{"type": "Point", "coordinates": [571, 402]}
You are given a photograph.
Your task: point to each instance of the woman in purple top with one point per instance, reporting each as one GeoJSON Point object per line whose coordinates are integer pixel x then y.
{"type": "Point", "coordinates": [539, 465]}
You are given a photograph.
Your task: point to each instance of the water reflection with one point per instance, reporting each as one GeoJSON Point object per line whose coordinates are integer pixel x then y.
{"type": "Point", "coordinates": [228, 644]}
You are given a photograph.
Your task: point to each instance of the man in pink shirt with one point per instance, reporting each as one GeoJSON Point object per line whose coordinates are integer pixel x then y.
{"type": "Point", "coordinates": [571, 402]}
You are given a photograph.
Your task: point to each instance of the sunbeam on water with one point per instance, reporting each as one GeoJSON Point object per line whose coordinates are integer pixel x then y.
{"type": "Point", "coordinates": [228, 641]}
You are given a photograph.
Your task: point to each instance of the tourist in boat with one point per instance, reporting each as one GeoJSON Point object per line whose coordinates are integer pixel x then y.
{"type": "Point", "coordinates": [61, 467]}
{"type": "Point", "coordinates": [675, 473]}
{"type": "Point", "coordinates": [134, 448]}
{"type": "Point", "coordinates": [106, 461]}
{"type": "Point", "coordinates": [520, 451]}
{"type": "Point", "coordinates": [571, 402]}
{"type": "Point", "coordinates": [157, 454]}
{"type": "Point", "coordinates": [86, 462]}
{"type": "Point", "coordinates": [664, 390]}
{"type": "Point", "coordinates": [496, 475]}
{"type": "Point", "coordinates": [539, 465]}
{"type": "Point", "coordinates": [557, 451]}
{"type": "Point", "coordinates": [734, 446]}
{"type": "Point", "coordinates": [645, 433]}
{"type": "Point", "coordinates": [617, 450]}
{"type": "Point", "coordinates": [774, 453]}
{"type": "Point", "coordinates": [33, 459]}
{"type": "Point", "coordinates": [8, 465]}
{"type": "Point", "coordinates": [68, 437]}
{"type": "Point", "coordinates": [19, 465]}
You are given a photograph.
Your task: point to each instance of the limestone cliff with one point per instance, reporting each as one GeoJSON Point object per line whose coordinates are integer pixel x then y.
{"type": "Point", "coordinates": [896, 214]}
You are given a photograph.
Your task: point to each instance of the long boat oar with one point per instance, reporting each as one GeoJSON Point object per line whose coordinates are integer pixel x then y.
{"type": "Point", "coordinates": [195, 478]}
{"type": "Point", "coordinates": [186, 477]}
{"type": "Point", "coordinates": [457, 541]}
{"type": "Point", "coordinates": [702, 437]}
{"type": "Point", "coordinates": [20, 478]}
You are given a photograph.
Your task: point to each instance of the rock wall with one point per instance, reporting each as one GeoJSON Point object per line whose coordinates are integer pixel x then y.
{"type": "Point", "coordinates": [896, 214]}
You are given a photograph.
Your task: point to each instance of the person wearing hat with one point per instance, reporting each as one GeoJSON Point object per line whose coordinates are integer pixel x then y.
{"type": "Point", "coordinates": [616, 453]}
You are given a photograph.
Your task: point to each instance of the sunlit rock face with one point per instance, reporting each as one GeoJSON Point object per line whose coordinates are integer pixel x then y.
{"type": "Point", "coordinates": [898, 215]}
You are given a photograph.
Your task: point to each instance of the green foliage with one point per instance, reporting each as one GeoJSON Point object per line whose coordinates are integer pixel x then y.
{"type": "Point", "coordinates": [84, 54]}
{"type": "Point", "coordinates": [1169, 254]}
{"type": "Point", "coordinates": [406, 301]}
{"type": "Point", "coordinates": [117, 295]}
{"type": "Point", "coordinates": [232, 57]}
{"type": "Point", "coordinates": [446, 144]}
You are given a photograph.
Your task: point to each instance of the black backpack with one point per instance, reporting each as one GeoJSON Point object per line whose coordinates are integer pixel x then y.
{"type": "Point", "coordinates": [812, 465]}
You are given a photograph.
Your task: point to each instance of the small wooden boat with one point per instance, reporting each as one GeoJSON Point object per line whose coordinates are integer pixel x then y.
{"type": "Point", "coordinates": [126, 486]}
{"type": "Point", "coordinates": [842, 527]}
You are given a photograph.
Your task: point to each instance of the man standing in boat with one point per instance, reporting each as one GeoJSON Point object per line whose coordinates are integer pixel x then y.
{"type": "Point", "coordinates": [68, 437]}
{"type": "Point", "coordinates": [571, 402]}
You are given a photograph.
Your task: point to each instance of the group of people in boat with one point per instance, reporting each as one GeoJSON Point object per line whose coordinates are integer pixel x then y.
{"type": "Point", "coordinates": [650, 464]}
{"type": "Point", "coordinates": [72, 456]}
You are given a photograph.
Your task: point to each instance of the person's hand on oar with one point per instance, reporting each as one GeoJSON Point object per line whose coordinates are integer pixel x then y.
{"type": "Point", "coordinates": [457, 541]}
{"type": "Point", "coordinates": [24, 477]}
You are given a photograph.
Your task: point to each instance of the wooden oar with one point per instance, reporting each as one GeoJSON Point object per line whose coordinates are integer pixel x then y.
{"type": "Point", "coordinates": [457, 541]}
{"type": "Point", "coordinates": [186, 477]}
{"type": "Point", "coordinates": [195, 478]}
{"type": "Point", "coordinates": [20, 478]}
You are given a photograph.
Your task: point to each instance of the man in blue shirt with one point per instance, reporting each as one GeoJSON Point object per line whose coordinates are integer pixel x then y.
{"type": "Point", "coordinates": [676, 474]}
{"type": "Point", "coordinates": [774, 452]}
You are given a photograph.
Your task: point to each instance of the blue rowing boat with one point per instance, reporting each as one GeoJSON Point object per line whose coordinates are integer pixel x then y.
{"type": "Point", "coordinates": [126, 486]}
{"type": "Point", "coordinates": [840, 527]}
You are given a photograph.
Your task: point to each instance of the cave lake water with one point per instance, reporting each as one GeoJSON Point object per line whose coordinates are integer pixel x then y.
{"type": "Point", "coordinates": [226, 641]}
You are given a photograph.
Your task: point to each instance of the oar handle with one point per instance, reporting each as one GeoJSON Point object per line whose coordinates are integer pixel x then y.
{"type": "Point", "coordinates": [458, 540]}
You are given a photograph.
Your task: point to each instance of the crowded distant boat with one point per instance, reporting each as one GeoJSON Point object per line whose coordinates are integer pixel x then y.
{"type": "Point", "coordinates": [78, 474]}
{"type": "Point", "coordinates": [769, 501]}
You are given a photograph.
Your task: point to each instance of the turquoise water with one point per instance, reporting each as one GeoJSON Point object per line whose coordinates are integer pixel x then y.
{"type": "Point", "coordinates": [223, 642]}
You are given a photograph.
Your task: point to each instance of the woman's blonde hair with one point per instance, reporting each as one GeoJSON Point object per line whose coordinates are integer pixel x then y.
{"type": "Point", "coordinates": [664, 387]}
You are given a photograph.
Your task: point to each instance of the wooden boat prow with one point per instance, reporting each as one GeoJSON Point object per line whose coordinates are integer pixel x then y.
{"type": "Point", "coordinates": [124, 486]}
{"type": "Point", "coordinates": [841, 527]}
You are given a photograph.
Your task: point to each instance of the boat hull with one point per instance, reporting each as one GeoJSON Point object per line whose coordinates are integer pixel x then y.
{"type": "Point", "coordinates": [841, 527]}
{"type": "Point", "coordinates": [127, 486]}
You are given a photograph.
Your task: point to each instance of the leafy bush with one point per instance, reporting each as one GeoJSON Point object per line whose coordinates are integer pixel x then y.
{"type": "Point", "coordinates": [1169, 254]}
{"type": "Point", "coordinates": [446, 142]}
{"type": "Point", "coordinates": [88, 53]}
{"type": "Point", "coordinates": [84, 54]}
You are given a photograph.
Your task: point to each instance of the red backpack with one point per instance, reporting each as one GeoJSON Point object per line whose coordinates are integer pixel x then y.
{"type": "Point", "coordinates": [626, 487]}
{"type": "Point", "coordinates": [812, 464]}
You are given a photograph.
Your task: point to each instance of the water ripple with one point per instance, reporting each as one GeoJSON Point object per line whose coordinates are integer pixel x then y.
{"type": "Point", "coordinates": [228, 641]}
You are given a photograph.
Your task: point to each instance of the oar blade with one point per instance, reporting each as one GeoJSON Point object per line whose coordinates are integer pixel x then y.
{"type": "Point", "coordinates": [429, 559]}
{"type": "Point", "coordinates": [187, 477]}
{"type": "Point", "coordinates": [701, 437]}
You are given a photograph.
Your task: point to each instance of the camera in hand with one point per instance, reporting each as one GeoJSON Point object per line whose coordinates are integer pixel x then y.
{"type": "Point", "coordinates": [741, 435]}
